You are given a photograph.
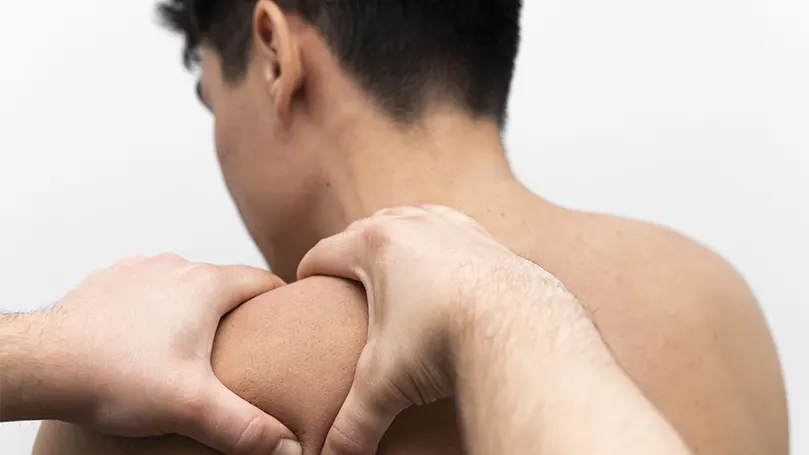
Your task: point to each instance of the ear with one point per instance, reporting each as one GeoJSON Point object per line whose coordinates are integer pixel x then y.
{"type": "Point", "coordinates": [279, 55]}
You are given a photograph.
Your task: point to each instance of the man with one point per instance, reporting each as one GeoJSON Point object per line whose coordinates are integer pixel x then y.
{"type": "Point", "coordinates": [328, 111]}
{"type": "Point", "coordinates": [474, 326]}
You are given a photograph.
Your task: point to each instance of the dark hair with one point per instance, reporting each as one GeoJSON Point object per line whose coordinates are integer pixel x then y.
{"type": "Point", "coordinates": [403, 52]}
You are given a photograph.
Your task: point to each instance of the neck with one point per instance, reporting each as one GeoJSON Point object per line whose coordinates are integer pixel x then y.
{"type": "Point", "coordinates": [450, 160]}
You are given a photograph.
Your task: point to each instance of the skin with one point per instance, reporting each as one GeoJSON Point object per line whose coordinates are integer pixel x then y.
{"type": "Point", "coordinates": [454, 313]}
{"type": "Point", "coordinates": [304, 154]}
{"type": "Point", "coordinates": [90, 359]}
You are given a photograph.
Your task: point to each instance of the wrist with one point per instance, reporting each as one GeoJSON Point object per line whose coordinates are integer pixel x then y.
{"type": "Point", "coordinates": [21, 372]}
{"type": "Point", "coordinates": [36, 370]}
{"type": "Point", "coordinates": [71, 390]}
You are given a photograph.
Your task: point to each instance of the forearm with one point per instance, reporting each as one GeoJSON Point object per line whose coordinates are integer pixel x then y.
{"type": "Point", "coordinates": [33, 381]}
{"type": "Point", "coordinates": [534, 376]}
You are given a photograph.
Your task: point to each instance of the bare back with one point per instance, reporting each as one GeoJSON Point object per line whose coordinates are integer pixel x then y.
{"type": "Point", "coordinates": [680, 321]}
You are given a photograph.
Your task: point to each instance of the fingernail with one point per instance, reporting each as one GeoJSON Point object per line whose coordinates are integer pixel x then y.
{"type": "Point", "coordinates": [288, 447]}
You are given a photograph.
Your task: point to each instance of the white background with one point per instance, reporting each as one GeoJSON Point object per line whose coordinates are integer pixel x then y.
{"type": "Point", "coordinates": [692, 113]}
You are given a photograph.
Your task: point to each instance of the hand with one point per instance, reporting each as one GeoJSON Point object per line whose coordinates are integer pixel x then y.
{"type": "Point", "coordinates": [138, 337]}
{"type": "Point", "coordinates": [422, 268]}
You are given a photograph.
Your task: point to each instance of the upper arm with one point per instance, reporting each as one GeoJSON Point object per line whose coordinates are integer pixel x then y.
{"type": "Point", "coordinates": [746, 365]}
{"type": "Point", "coordinates": [291, 352]}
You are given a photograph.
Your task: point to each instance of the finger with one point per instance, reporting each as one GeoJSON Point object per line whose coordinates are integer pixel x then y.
{"type": "Point", "coordinates": [338, 255]}
{"type": "Point", "coordinates": [455, 217]}
{"type": "Point", "coordinates": [168, 259]}
{"type": "Point", "coordinates": [130, 260]}
{"type": "Point", "coordinates": [228, 424]}
{"type": "Point", "coordinates": [359, 426]}
{"type": "Point", "coordinates": [346, 255]}
{"type": "Point", "coordinates": [242, 283]}
{"type": "Point", "coordinates": [349, 253]}
{"type": "Point", "coordinates": [404, 210]}
{"type": "Point", "coordinates": [383, 216]}
{"type": "Point", "coordinates": [448, 213]}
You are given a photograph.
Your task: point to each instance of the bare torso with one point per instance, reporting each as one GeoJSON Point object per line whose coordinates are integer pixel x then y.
{"type": "Point", "coordinates": [679, 320]}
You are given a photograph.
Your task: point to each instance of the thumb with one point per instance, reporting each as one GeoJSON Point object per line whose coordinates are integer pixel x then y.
{"type": "Point", "coordinates": [225, 422]}
{"type": "Point", "coordinates": [368, 410]}
{"type": "Point", "coordinates": [244, 283]}
{"type": "Point", "coordinates": [359, 426]}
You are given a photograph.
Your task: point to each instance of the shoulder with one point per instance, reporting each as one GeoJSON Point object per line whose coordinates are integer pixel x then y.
{"type": "Point", "coordinates": [671, 259]}
{"type": "Point", "coordinates": [292, 351]}
{"type": "Point", "coordinates": [690, 331]}
{"type": "Point", "coordinates": [689, 291]}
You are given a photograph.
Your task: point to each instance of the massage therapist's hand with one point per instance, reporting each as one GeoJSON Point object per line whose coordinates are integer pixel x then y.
{"type": "Point", "coordinates": [422, 268]}
{"type": "Point", "coordinates": [128, 352]}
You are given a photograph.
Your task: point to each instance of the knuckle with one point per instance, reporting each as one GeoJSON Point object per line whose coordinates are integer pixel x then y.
{"type": "Point", "coordinates": [387, 211]}
{"type": "Point", "coordinates": [275, 280]}
{"type": "Point", "coordinates": [376, 237]}
{"type": "Point", "coordinates": [359, 225]}
{"type": "Point", "coordinates": [402, 210]}
{"type": "Point", "coordinates": [130, 260]}
{"type": "Point", "coordinates": [205, 273]}
{"type": "Point", "coordinates": [168, 257]}
{"type": "Point", "coordinates": [434, 208]}
{"type": "Point", "coordinates": [467, 220]}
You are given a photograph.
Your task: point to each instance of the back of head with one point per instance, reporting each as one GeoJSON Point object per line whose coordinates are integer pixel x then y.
{"type": "Point", "coordinates": [405, 53]}
{"type": "Point", "coordinates": [303, 90]}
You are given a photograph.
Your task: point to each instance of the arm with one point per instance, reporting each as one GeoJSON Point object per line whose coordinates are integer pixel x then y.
{"type": "Point", "coordinates": [30, 372]}
{"type": "Point", "coordinates": [534, 376]}
{"type": "Point", "coordinates": [701, 353]}
{"type": "Point", "coordinates": [683, 327]}
{"type": "Point", "coordinates": [451, 310]}
{"type": "Point", "coordinates": [126, 352]}
{"type": "Point", "coordinates": [292, 353]}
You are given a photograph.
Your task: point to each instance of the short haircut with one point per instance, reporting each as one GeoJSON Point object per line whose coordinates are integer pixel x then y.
{"type": "Point", "coordinates": [404, 53]}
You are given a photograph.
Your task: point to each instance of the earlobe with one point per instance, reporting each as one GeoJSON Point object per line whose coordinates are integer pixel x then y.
{"type": "Point", "coordinates": [280, 54]}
